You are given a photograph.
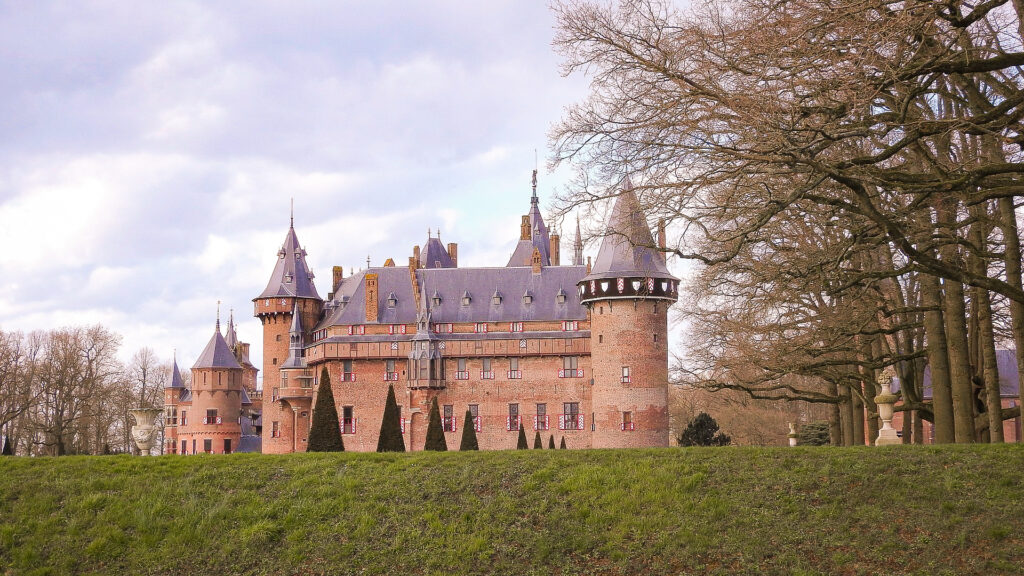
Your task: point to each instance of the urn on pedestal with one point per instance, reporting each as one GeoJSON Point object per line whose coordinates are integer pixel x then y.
{"type": "Point", "coordinates": [887, 434]}
{"type": "Point", "coordinates": [144, 432]}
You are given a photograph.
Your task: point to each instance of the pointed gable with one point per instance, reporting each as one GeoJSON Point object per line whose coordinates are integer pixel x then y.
{"type": "Point", "coordinates": [176, 381]}
{"type": "Point", "coordinates": [628, 247]}
{"type": "Point", "coordinates": [434, 255]}
{"type": "Point", "coordinates": [291, 276]}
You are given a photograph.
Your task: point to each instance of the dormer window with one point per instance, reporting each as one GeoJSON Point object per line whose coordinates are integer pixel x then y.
{"type": "Point", "coordinates": [466, 298]}
{"type": "Point", "coordinates": [392, 300]}
{"type": "Point", "coordinates": [496, 299]}
{"type": "Point", "coordinates": [527, 298]}
{"type": "Point", "coordinates": [288, 278]}
{"type": "Point", "coordinates": [280, 253]}
{"type": "Point", "coordinates": [435, 300]}
{"type": "Point", "coordinates": [560, 297]}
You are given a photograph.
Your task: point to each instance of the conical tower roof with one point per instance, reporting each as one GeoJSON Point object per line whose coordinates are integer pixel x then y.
{"type": "Point", "coordinates": [291, 276]}
{"type": "Point", "coordinates": [628, 248]}
{"type": "Point", "coordinates": [539, 237]}
{"type": "Point", "coordinates": [231, 337]}
{"type": "Point", "coordinates": [176, 381]}
{"type": "Point", "coordinates": [217, 353]}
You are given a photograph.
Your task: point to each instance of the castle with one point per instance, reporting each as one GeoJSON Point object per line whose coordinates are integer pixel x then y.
{"type": "Point", "coordinates": [574, 351]}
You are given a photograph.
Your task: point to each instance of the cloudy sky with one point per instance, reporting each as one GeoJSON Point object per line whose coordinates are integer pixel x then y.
{"type": "Point", "coordinates": [149, 151]}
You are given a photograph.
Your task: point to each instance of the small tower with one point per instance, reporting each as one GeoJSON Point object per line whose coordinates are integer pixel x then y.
{"type": "Point", "coordinates": [295, 393]}
{"type": "Point", "coordinates": [214, 424]}
{"type": "Point", "coordinates": [577, 246]}
{"type": "Point", "coordinates": [173, 391]}
{"type": "Point", "coordinates": [290, 289]}
{"type": "Point", "coordinates": [533, 235]}
{"type": "Point", "coordinates": [629, 290]}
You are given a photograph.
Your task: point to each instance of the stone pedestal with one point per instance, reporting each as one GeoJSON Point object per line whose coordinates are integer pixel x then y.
{"type": "Point", "coordinates": [792, 434]}
{"type": "Point", "coordinates": [885, 401]}
{"type": "Point", "coordinates": [145, 431]}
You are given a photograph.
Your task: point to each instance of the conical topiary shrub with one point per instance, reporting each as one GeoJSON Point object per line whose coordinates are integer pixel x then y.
{"type": "Point", "coordinates": [522, 445]}
{"type": "Point", "coordinates": [435, 433]}
{"type": "Point", "coordinates": [390, 439]}
{"type": "Point", "coordinates": [562, 445]}
{"type": "Point", "coordinates": [324, 434]}
{"type": "Point", "coordinates": [551, 442]}
{"type": "Point", "coordinates": [469, 434]}
{"type": "Point", "coordinates": [537, 442]}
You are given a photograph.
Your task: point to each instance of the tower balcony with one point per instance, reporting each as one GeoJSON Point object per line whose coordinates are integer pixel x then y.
{"type": "Point", "coordinates": [294, 393]}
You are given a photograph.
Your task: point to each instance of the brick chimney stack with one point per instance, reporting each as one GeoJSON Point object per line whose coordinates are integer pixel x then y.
{"type": "Point", "coordinates": [338, 275]}
{"type": "Point", "coordinates": [453, 252]}
{"type": "Point", "coordinates": [524, 228]}
{"type": "Point", "coordinates": [661, 238]}
{"type": "Point", "coordinates": [371, 297]}
{"type": "Point", "coordinates": [556, 257]}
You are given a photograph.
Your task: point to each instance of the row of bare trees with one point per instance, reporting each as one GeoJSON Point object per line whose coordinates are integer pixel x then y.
{"type": "Point", "coordinates": [65, 392]}
{"type": "Point", "coordinates": [845, 172]}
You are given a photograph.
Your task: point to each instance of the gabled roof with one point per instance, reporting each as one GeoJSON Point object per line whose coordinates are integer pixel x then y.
{"type": "Point", "coordinates": [434, 255]}
{"type": "Point", "coordinates": [628, 248]}
{"type": "Point", "coordinates": [452, 283]}
{"type": "Point", "coordinates": [295, 342]}
{"type": "Point", "coordinates": [291, 276]}
{"type": "Point", "coordinates": [539, 239]}
{"type": "Point", "coordinates": [217, 354]}
{"type": "Point", "coordinates": [176, 381]}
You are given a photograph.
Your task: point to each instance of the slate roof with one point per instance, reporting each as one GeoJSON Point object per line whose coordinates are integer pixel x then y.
{"type": "Point", "coordinates": [250, 441]}
{"type": "Point", "coordinates": [628, 247]}
{"type": "Point", "coordinates": [217, 354]}
{"type": "Point", "coordinates": [291, 276]}
{"type": "Point", "coordinates": [295, 342]}
{"type": "Point", "coordinates": [434, 255]}
{"type": "Point", "coordinates": [176, 381]}
{"type": "Point", "coordinates": [452, 283]}
{"type": "Point", "coordinates": [539, 239]}
{"type": "Point", "coordinates": [1006, 363]}
{"type": "Point", "coordinates": [231, 337]}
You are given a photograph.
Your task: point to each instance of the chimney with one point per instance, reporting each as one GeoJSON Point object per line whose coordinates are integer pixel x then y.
{"type": "Point", "coordinates": [453, 251]}
{"type": "Point", "coordinates": [535, 260]}
{"type": "Point", "coordinates": [243, 348]}
{"type": "Point", "coordinates": [556, 259]}
{"type": "Point", "coordinates": [524, 228]}
{"type": "Point", "coordinates": [416, 254]}
{"type": "Point", "coordinates": [588, 264]}
{"type": "Point", "coordinates": [661, 238]}
{"type": "Point", "coordinates": [371, 297]}
{"type": "Point", "coordinates": [413, 281]}
{"type": "Point", "coordinates": [339, 275]}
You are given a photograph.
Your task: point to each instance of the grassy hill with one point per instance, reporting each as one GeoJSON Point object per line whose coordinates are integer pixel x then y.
{"type": "Point", "coordinates": [951, 510]}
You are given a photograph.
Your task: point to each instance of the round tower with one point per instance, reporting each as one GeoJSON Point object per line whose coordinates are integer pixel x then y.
{"type": "Point", "coordinates": [214, 417]}
{"type": "Point", "coordinates": [290, 290]}
{"type": "Point", "coordinates": [172, 395]}
{"type": "Point", "coordinates": [628, 293]}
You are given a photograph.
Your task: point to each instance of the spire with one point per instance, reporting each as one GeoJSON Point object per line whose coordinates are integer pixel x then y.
{"type": "Point", "coordinates": [291, 222]}
{"type": "Point", "coordinates": [218, 316]}
{"type": "Point", "coordinates": [534, 234]}
{"type": "Point", "coordinates": [231, 337]}
{"type": "Point", "coordinates": [577, 247]}
{"type": "Point", "coordinates": [533, 198]}
{"type": "Point", "coordinates": [296, 341]}
{"type": "Point", "coordinates": [176, 381]}
{"type": "Point", "coordinates": [217, 353]}
{"type": "Point", "coordinates": [628, 248]}
{"type": "Point", "coordinates": [291, 276]}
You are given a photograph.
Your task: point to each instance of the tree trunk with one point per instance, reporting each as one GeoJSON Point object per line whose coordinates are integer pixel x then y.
{"type": "Point", "coordinates": [847, 413]}
{"type": "Point", "coordinates": [985, 340]}
{"type": "Point", "coordinates": [858, 418]}
{"type": "Point", "coordinates": [835, 425]}
{"type": "Point", "coordinates": [1011, 239]}
{"type": "Point", "coordinates": [938, 360]}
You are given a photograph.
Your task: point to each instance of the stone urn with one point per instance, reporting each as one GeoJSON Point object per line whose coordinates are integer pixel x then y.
{"type": "Point", "coordinates": [144, 432]}
{"type": "Point", "coordinates": [792, 434]}
{"type": "Point", "coordinates": [885, 401]}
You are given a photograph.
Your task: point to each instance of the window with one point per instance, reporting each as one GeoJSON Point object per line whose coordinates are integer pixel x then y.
{"type": "Point", "coordinates": [193, 445]}
{"type": "Point", "coordinates": [655, 337]}
{"type": "Point", "coordinates": [480, 327]}
{"type": "Point", "coordinates": [274, 360]}
{"type": "Point", "coordinates": [278, 337]}
{"type": "Point", "coordinates": [448, 420]}
{"type": "Point", "coordinates": [443, 328]}
{"type": "Point", "coordinates": [227, 445]}
{"type": "Point", "coordinates": [570, 419]}
{"type": "Point", "coordinates": [527, 298]}
{"type": "Point", "coordinates": [515, 327]}
{"type": "Point", "coordinates": [275, 429]}
{"type": "Point", "coordinates": [208, 445]}
{"type": "Point", "coordinates": [600, 338]}
{"type": "Point", "coordinates": [625, 374]}
{"type": "Point", "coordinates": [184, 446]}
{"type": "Point", "coordinates": [496, 299]}
{"type": "Point", "coordinates": [348, 422]}
{"type": "Point", "coordinates": [392, 300]}
{"type": "Point", "coordinates": [211, 417]}
{"type": "Point", "coordinates": [466, 299]}
{"type": "Point", "coordinates": [389, 371]}
{"type": "Point", "coordinates": [347, 374]}
{"type": "Point", "coordinates": [184, 417]}
{"type": "Point", "coordinates": [570, 325]}
{"type": "Point", "coordinates": [356, 330]}
{"type": "Point", "coordinates": [627, 422]}
{"type": "Point", "coordinates": [462, 373]}
{"type": "Point", "coordinates": [396, 329]}
{"type": "Point", "coordinates": [560, 297]}
{"type": "Point", "coordinates": [513, 369]}
{"type": "Point", "coordinates": [486, 370]}
{"type": "Point", "coordinates": [570, 367]}
{"type": "Point", "coordinates": [540, 421]}
{"type": "Point", "coordinates": [512, 422]}
{"type": "Point", "coordinates": [474, 413]}
{"type": "Point", "coordinates": [436, 300]}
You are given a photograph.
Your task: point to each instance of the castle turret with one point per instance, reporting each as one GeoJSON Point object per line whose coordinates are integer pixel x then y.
{"type": "Point", "coordinates": [214, 420]}
{"type": "Point", "coordinates": [173, 390]}
{"type": "Point", "coordinates": [290, 291]}
{"type": "Point", "coordinates": [628, 291]}
{"type": "Point", "coordinates": [577, 246]}
{"type": "Point", "coordinates": [533, 235]}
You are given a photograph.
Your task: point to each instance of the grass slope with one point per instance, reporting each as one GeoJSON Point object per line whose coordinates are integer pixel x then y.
{"type": "Point", "coordinates": [950, 510]}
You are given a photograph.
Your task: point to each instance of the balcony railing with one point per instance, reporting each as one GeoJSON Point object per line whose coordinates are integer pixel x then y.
{"type": "Point", "coordinates": [512, 423]}
{"type": "Point", "coordinates": [628, 426]}
{"type": "Point", "coordinates": [289, 392]}
{"type": "Point", "coordinates": [487, 374]}
{"type": "Point", "coordinates": [464, 375]}
{"type": "Point", "coordinates": [570, 373]}
{"type": "Point", "coordinates": [540, 422]}
{"type": "Point", "coordinates": [570, 421]}
{"type": "Point", "coordinates": [515, 374]}
{"type": "Point", "coordinates": [450, 424]}
{"type": "Point", "coordinates": [391, 376]}
{"type": "Point", "coordinates": [217, 420]}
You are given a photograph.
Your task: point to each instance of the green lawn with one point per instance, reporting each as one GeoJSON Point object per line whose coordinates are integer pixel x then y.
{"type": "Point", "coordinates": [923, 510]}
